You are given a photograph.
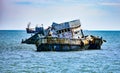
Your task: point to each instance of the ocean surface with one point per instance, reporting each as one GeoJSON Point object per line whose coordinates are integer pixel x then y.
{"type": "Point", "coordinates": [22, 58]}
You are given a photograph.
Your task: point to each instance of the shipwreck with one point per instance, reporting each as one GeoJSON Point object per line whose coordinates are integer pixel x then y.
{"type": "Point", "coordinates": [66, 36]}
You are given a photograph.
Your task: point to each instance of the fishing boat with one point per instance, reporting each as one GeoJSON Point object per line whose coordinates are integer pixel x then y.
{"type": "Point", "coordinates": [66, 36]}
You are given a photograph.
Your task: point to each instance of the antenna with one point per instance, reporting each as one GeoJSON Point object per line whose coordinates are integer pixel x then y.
{"type": "Point", "coordinates": [42, 25]}
{"type": "Point", "coordinates": [29, 25]}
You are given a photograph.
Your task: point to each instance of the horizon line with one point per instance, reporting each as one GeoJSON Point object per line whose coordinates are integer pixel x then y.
{"type": "Point", "coordinates": [83, 30]}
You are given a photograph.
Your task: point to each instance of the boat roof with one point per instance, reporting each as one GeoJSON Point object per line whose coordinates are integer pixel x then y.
{"type": "Point", "coordinates": [65, 25]}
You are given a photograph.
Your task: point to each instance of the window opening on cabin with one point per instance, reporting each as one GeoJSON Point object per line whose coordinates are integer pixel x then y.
{"type": "Point", "coordinates": [59, 31]}
{"type": "Point", "coordinates": [76, 32]}
{"type": "Point", "coordinates": [65, 30]}
{"type": "Point", "coordinates": [68, 29]}
{"type": "Point", "coordinates": [62, 31]}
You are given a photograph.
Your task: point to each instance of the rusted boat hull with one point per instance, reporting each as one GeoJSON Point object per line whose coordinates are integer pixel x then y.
{"type": "Point", "coordinates": [67, 47]}
{"type": "Point", "coordinates": [63, 44]}
{"type": "Point", "coordinates": [61, 47]}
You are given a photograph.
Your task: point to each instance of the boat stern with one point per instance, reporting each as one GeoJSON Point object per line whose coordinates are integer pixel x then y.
{"type": "Point", "coordinates": [95, 42]}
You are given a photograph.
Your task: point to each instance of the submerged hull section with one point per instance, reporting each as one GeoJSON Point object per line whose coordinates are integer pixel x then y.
{"type": "Point", "coordinates": [61, 47]}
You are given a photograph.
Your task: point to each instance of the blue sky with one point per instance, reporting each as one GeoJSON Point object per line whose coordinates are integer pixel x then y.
{"type": "Point", "coordinates": [93, 14]}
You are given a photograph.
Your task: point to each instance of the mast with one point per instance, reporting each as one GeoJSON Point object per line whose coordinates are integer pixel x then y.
{"type": "Point", "coordinates": [82, 33]}
{"type": "Point", "coordinates": [28, 26]}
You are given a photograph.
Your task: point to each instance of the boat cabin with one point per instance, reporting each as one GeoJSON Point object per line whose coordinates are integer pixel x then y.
{"type": "Point", "coordinates": [71, 29]}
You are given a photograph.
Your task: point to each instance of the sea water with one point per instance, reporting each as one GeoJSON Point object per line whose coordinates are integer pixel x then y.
{"type": "Point", "coordinates": [22, 58]}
